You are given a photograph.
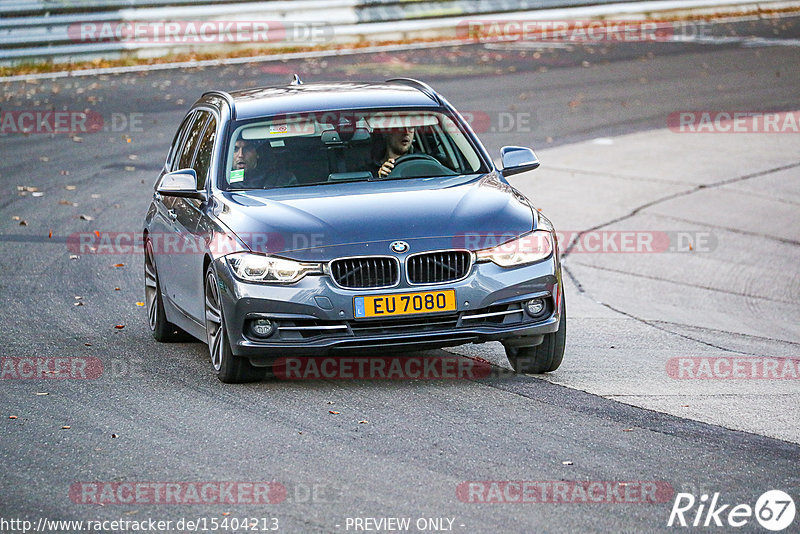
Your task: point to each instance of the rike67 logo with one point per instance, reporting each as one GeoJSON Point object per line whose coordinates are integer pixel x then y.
{"type": "Point", "coordinates": [774, 510]}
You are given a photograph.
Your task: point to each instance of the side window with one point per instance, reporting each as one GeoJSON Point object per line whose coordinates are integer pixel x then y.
{"type": "Point", "coordinates": [202, 162]}
{"type": "Point", "coordinates": [173, 150]}
{"type": "Point", "coordinates": [192, 138]}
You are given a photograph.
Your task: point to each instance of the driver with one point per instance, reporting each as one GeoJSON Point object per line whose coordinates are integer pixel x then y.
{"type": "Point", "coordinates": [398, 143]}
{"type": "Point", "coordinates": [258, 174]}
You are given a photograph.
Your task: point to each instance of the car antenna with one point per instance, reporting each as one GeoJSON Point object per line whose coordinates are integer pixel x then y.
{"type": "Point", "coordinates": [296, 80]}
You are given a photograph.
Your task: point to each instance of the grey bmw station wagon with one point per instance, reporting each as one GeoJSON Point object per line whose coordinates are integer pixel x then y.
{"type": "Point", "coordinates": [311, 219]}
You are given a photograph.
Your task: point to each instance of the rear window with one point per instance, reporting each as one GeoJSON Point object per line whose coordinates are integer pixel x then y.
{"type": "Point", "coordinates": [344, 146]}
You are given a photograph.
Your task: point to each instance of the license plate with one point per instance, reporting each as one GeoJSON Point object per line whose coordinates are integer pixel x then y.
{"type": "Point", "coordinates": [404, 304]}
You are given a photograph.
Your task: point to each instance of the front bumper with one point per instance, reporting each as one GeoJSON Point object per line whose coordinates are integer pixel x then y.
{"type": "Point", "coordinates": [316, 318]}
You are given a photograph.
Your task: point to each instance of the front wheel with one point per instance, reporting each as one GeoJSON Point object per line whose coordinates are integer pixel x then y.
{"type": "Point", "coordinates": [545, 357]}
{"type": "Point", "coordinates": [230, 368]}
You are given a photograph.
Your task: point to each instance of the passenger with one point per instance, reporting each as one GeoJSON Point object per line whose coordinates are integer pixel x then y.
{"type": "Point", "coordinates": [257, 174]}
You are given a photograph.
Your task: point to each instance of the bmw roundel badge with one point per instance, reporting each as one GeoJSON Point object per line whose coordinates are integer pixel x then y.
{"type": "Point", "coordinates": [399, 247]}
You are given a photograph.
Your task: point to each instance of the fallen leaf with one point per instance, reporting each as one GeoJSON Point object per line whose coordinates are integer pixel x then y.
{"type": "Point", "coordinates": [23, 223]}
{"type": "Point", "coordinates": [50, 235]}
{"type": "Point", "coordinates": [37, 194]}
{"type": "Point", "coordinates": [331, 402]}
{"type": "Point", "coordinates": [119, 326]}
{"type": "Point", "coordinates": [40, 393]}
{"type": "Point", "coordinates": [332, 412]}
{"type": "Point", "coordinates": [130, 168]}
{"type": "Point", "coordinates": [70, 187]}
{"type": "Point", "coordinates": [96, 233]}
{"type": "Point", "coordinates": [627, 430]}
{"type": "Point", "coordinates": [15, 217]}
{"type": "Point", "coordinates": [85, 217]}
{"type": "Point", "coordinates": [65, 427]}
{"type": "Point", "coordinates": [12, 416]}
{"type": "Point", "coordinates": [73, 256]}
{"type": "Point", "coordinates": [114, 436]}
{"type": "Point", "coordinates": [44, 159]}
{"type": "Point", "coordinates": [79, 303]}
{"type": "Point", "coordinates": [140, 304]}
{"type": "Point", "coordinates": [77, 139]}
{"type": "Point", "coordinates": [363, 422]}
{"type": "Point", "coordinates": [65, 202]}
{"type": "Point", "coordinates": [95, 195]}
{"type": "Point", "coordinates": [118, 265]}
{"type": "Point", "coordinates": [133, 157]}
{"type": "Point", "coordinates": [64, 173]}
{"type": "Point", "coordinates": [566, 462]}
{"type": "Point", "coordinates": [116, 289]}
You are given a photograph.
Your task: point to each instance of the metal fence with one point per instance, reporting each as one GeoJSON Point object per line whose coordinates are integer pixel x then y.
{"type": "Point", "coordinates": [33, 30]}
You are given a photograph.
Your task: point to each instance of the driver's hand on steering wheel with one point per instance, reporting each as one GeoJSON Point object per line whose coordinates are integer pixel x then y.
{"type": "Point", "coordinates": [386, 168]}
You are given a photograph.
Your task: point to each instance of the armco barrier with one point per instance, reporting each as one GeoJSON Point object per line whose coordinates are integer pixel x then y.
{"type": "Point", "coordinates": [33, 30]}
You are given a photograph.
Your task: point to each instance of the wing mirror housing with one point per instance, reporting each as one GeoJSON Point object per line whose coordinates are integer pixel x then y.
{"type": "Point", "coordinates": [181, 183]}
{"type": "Point", "coordinates": [517, 159]}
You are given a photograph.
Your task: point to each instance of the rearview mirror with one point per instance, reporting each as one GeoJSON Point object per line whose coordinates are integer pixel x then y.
{"type": "Point", "coordinates": [517, 159]}
{"type": "Point", "coordinates": [181, 183]}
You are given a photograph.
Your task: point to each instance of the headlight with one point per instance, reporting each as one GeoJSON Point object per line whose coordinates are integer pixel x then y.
{"type": "Point", "coordinates": [529, 248]}
{"type": "Point", "coordinates": [260, 268]}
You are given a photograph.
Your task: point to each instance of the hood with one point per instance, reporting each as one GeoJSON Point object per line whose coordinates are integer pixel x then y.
{"type": "Point", "coordinates": [323, 222]}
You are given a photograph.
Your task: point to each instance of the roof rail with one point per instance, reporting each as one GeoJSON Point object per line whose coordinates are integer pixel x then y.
{"type": "Point", "coordinates": [422, 86]}
{"type": "Point", "coordinates": [227, 98]}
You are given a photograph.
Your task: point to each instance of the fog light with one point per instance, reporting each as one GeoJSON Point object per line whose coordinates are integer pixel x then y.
{"type": "Point", "coordinates": [262, 327]}
{"type": "Point", "coordinates": [535, 307]}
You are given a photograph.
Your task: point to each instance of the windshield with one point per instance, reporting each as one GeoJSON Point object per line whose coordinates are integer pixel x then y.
{"type": "Point", "coordinates": [346, 146]}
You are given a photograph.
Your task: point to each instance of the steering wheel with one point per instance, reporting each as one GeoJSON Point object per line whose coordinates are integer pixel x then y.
{"type": "Point", "coordinates": [423, 161]}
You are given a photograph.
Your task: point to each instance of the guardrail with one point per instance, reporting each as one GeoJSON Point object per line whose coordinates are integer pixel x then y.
{"type": "Point", "coordinates": [57, 29]}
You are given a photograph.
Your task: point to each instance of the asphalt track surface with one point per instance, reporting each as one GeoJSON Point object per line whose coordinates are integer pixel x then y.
{"type": "Point", "coordinates": [157, 414]}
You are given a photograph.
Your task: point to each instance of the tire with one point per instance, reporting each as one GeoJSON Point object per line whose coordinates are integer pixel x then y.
{"type": "Point", "coordinates": [230, 368]}
{"type": "Point", "coordinates": [545, 357]}
{"type": "Point", "coordinates": [162, 330]}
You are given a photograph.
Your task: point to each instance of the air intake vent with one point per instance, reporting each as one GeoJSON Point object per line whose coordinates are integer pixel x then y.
{"type": "Point", "coordinates": [438, 267]}
{"type": "Point", "coordinates": [366, 273]}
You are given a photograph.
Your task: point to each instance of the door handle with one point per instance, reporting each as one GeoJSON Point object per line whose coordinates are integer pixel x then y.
{"type": "Point", "coordinates": [172, 215]}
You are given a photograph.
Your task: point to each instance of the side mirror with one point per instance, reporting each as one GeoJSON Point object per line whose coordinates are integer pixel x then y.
{"type": "Point", "coordinates": [517, 159]}
{"type": "Point", "coordinates": [181, 183]}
